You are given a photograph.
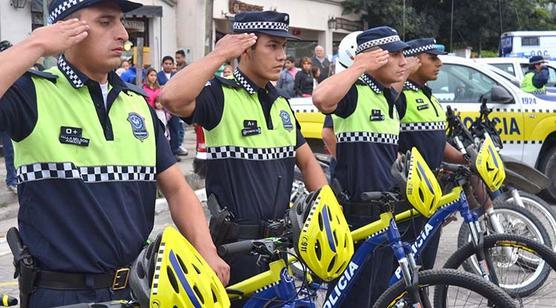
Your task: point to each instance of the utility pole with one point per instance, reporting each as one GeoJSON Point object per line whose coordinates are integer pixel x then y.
{"type": "Point", "coordinates": [451, 26]}
{"type": "Point", "coordinates": [403, 21]}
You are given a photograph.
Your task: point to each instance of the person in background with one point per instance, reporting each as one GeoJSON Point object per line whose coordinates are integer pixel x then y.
{"type": "Point", "coordinates": [166, 73]}
{"type": "Point", "coordinates": [303, 84]}
{"type": "Point", "coordinates": [321, 61]}
{"type": "Point", "coordinates": [151, 87]}
{"type": "Point", "coordinates": [124, 66]}
{"type": "Point", "coordinates": [180, 60]}
{"type": "Point", "coordinates": [11, 179]}
{"type": "Point", "coordinates": [228, 72]}
{"type": "Point", "coordinates": [534, 81]}
{"type": "Point", "coordinates": [285, 84]}
{"type": "Point", "coordinates": [315, 71]}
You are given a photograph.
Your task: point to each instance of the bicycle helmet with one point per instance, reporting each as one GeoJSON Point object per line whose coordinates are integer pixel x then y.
{"type": "Point", "coordinates": [346, 49]}
{"type": "Point", "coordinates": [5, 45]}
{"type": "Point", "coordinates": [171, 273]}
{"type": "Point", "coordinates": [322, 238]}
{"type": "Point", "coordinates": [421, 187]}
{"type": "Point", "coordinates": [490, 165]}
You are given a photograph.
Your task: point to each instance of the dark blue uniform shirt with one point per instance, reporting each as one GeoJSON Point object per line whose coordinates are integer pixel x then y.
{"type": "Point", "coordinates": [70, 225]}
{"type": "Point", "coordinates": [430, 144]}
{"type": "Point", "coordinates": [248, 188]}
{"type": "Point", "coordinates": [364, 166]}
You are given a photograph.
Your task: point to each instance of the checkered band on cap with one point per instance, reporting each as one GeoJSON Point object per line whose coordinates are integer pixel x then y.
{"type": "Point", "coordinates": [69, 72]}
{"type": "Point", "coordinates": [231, 151]}
{"type": "Point", "coordinates": [60, 9]}
{"type": "Point", "coordinates": [243, 82]}
{"type": "Point", "coordinates": [260, 25]}
{"type": "Point", "coordinates": [377, 42]}
{"type": "Point", "coordinates": [95, 174]}
{"type": "Point", "coordinates": [422, 126]}
{"type": "Point", "coordinates": [371, 84]}
{"type": "Point", "coordinates": [367, 137]}
{"type": "Point", "coordinates": [415, 51]}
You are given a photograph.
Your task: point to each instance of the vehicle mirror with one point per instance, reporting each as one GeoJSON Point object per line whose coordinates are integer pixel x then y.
{"type": "Point", "coordinates": [500, 95]}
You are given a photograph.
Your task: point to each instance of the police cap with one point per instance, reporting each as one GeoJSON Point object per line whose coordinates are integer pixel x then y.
{"type": "Point", "coordinates": [536, 60]}
{"type": "Point", "coordinates": [268, 22]}
{"type": "Point", "coordinates": [384, 37]}
{"type": "Point", "coordinates": [60, 9]}
{"type": "Point", "coordinates": [423, 45]}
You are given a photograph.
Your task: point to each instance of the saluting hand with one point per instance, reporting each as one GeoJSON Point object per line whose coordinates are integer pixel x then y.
{"type": "Point", "coordinates": [60, 36]}
{"type": "Point", "coordinates": [232, 46]}
{"type": "Point", "coordinates": [372, 60]}
{"type": "Point", "coordinates": [413, 65]}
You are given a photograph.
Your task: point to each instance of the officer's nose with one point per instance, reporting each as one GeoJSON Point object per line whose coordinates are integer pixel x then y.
{"type": "Point", "coordinates": [121, 32]}
{"type": "Point", "coordinates": [403, 60]}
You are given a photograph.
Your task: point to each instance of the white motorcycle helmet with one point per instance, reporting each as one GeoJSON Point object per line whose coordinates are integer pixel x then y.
{"type": "Point", "coordinates": [346, 51]}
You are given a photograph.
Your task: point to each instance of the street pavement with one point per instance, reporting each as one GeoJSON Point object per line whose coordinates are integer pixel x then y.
{"type": "Point", "coordinates": [8, 212]}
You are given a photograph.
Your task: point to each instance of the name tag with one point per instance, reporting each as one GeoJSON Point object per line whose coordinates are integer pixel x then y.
{"type": "Point", "coordinates": [250, 128]}
{"type": "Point", "coordinates": [423, 107]}
{"type": "Point", "coordinates": [73, 135]}
{"type": "Point", "coordinates": [376, 115]}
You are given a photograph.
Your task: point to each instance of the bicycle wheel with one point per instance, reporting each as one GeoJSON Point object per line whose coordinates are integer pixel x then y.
{"type": "Point", "coordinates": [518, 279]}
{"type": "Point", "coordinates": [536, 205]}
{"type": "Point", "coordinates": [514, 220]}
{"type": "Point", "coordinates": [465, 290]}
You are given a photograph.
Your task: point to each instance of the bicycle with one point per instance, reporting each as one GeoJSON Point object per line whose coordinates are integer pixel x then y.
{"type": "Point", "coordinates": [277, 287]}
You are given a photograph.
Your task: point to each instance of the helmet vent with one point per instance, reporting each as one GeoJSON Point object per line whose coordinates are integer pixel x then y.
{"type": "Point", "coordinates": [335, 238]}
{"type": "Point", "coordinates": [318, 252]}
{"type": "Point", "coordinates": [321, 223]}
{"type": "Point", "coordinates": [339, 270]}
{"type": "Point", "coordinates": [140, 270]}
{"type": "Point", "coordinates": [214, 298]}
{"type": "Point", "coordinates": [331, 264]}
{"type": "Point", "coordinates": [172, 279]}
{"type": "Point", "coordinates": [182, 265]}
{"type": "Point", "coordinates": [198, 293]}
{"type": "Point", "coordinates": [196, 269]}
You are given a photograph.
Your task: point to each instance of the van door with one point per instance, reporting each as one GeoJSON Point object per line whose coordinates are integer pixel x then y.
{"type": "Point", "coordinates": [462, 87]}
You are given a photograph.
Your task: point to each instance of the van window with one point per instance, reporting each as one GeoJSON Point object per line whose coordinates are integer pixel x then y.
{"type": "Point", "coordinates": [506, 67]}
{"type": "Point", "coordinates": [460, 84]}
{"type": "Point", "coordinates": [530, 41]}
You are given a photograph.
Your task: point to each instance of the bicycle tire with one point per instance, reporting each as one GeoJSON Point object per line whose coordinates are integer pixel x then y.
{"type": "Point", "coordinates": [527, 217]}
{"type": "Point", "coordinates": [539, 207]}
{"type": "Point", "coordinates": [544, 252]}
{"type": "Point", "coordinates": [442, 277]}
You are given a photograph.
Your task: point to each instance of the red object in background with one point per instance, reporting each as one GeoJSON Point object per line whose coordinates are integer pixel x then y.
{"type": "Point", "coordinates": [296, 32]}
{"type": "Point", "coordinates": [201, 145]}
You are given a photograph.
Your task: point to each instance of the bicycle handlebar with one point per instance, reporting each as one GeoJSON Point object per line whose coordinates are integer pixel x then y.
{"type": "Point", "coordinates": [241, 247]}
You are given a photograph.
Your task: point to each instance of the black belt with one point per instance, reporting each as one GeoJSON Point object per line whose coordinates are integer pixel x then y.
{"type": "Point", "coordinates": [116, 280]}
{"type": "Point", "coordinates": [249, 232]}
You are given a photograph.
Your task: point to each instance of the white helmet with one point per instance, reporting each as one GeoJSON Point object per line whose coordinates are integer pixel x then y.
{"type": "Point", "coordinates": [346, 50]}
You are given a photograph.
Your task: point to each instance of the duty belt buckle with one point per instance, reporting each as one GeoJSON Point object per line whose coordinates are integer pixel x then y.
{"type": "Point", "coordinates": [120, 279]}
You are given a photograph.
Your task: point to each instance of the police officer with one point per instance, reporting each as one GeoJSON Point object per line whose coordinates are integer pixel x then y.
{"type": "Point", "coordinates": [252, 137]}
{"type": "Point", "coordinates": [534, 81]}
{"type": "Point", "coordinates": [89, 154]}
{"type": "Point", "coordinates": [423, 123]}
{"type": "Point", "coordinates": [366, 124]}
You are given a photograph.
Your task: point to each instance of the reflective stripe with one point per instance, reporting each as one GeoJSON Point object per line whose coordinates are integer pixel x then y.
{"type": "Point", "coordinates": [229, 151]}
{"type": "Point", "coordinates": [367, 137]}
{"type": "Point", "coordinates": [67, 170]}
{"type": "Point", "coordinates": [423, 126]}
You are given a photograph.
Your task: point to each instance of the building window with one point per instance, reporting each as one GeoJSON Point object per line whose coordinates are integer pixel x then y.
{"type": "Point", "coordinates": [530, 41]}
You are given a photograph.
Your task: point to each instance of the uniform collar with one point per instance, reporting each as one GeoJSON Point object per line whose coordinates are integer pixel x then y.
{"type": "Point", "coordinates": [79, 79]}
{"type": "Point", "coordinates": [373, 84]}
{"type": "Point", "coordinates": [250, 86]}
{"type": "Point", "coordinates": [410, 85]}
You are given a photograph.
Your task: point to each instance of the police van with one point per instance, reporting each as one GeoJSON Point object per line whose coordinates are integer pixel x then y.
{"type": "Point", "coordinates": [527, 122]}
{"type": "Point", "coordinates": [525, 44]}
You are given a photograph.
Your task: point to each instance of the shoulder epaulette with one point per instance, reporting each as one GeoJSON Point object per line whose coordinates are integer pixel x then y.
{"type": "Point", "coordinates": [232, 83]}
{"type": "Point", "coordinates": [134, 88]}
{"type": "Point", "coordinates": [45, 75]}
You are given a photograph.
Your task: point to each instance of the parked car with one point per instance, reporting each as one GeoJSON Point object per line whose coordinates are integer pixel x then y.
{"type": "Point", "coordinates": [527, 122]}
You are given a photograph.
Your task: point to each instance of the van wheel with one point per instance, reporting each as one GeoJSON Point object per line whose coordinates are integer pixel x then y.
{"type": "Point", "coordinates": [548, 167]}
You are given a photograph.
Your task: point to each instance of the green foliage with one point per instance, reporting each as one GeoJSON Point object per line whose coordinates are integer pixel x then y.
{"type": "Point", "coordinates": [476, 23]}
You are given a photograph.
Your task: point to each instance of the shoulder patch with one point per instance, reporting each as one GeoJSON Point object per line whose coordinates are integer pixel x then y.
{"type": "Point", "coordinates": [134, 88]}
{"type": "Point", "coordinates": [232, 83]}
{"type": "Point", "coordinates": [45, 75]}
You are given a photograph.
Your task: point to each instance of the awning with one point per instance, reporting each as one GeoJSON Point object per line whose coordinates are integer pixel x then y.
{"type": "Point", "coordinates": [148, 11]}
